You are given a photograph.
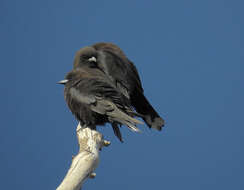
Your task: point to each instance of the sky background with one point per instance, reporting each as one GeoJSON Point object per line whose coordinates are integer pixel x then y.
{"type": "Point", "coordinates": [190, 56]}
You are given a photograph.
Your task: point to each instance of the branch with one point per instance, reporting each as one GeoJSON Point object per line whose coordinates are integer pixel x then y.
{"type": "Point", "coordinates": [86, 161]}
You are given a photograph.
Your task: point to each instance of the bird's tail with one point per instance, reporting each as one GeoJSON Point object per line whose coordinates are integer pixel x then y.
{"type": "Point", "coordinates": [121, 117]}
{"type": "Point", "coordinates": [117, 132]}
{"type": "Point", "coordinates": [150, 116]}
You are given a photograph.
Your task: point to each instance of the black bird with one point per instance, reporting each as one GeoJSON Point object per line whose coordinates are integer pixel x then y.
{"type": "Point", "coordinates": [110, 59]}
{"type": "Point", "coordinates": [94, 100]}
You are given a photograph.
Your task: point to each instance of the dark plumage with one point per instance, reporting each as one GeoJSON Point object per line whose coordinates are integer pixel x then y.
{"type": "Point", "coordinates": [110, 59]}
{"type": "Point", "coordinates": [94, 100]}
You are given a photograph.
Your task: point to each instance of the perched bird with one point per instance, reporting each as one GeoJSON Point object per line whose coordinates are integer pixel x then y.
{"type": "Point", "coordinates": [110, 59]}
{"type": "Point", "coordinates": [94, 100]}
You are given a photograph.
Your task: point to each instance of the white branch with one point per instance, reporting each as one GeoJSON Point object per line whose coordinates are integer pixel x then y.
{"type": "Point", "coordinates": [86, 161]}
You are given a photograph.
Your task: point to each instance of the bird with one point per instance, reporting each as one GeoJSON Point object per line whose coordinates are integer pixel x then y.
{"type": "Point", "coordinates": [94, 100]}
{"type": "Point", "coordinates": [111, 60]}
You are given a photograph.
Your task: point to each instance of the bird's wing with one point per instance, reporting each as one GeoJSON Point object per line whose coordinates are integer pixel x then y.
{"type": "Point", "coordinates": [98, 90]}
{"type": "Point", "coordinates": [135, 75]}
{"type": "Point", "coordinates": [82, 97]}
{"type": "Point", "coordinates": [121, 71]}
{"type": "Point", "coordinates": [104, 99]}
{"type": "Point", "coordinates": [90, 100]}
{"type": "Point", "coordinates": [117, 53]}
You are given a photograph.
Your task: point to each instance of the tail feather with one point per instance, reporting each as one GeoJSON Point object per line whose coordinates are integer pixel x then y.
{"type": "Point", "coordinates": [132, 127]}
{"type": "Point", "coordinates": [117, 131]}
{"type": "Point", "coordinates": [120, 117]}
{"type": "Point", "coordinates": [143, 107]}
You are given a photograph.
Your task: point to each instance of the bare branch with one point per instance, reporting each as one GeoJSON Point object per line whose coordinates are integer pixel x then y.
{"type": "Point", "coordinates": [86, 161]}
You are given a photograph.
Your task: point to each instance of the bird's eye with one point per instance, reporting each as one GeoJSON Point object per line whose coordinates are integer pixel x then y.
{"type": "Point", "coordinates": [92, 59]}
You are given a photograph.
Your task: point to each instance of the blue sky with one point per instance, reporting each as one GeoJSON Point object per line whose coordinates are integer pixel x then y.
{"type": "Point", "coordinates": [190, 58]}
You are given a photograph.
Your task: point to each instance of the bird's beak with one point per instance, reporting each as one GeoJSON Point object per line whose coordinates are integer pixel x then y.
{"type": "Point", "coordinates": [92, 59]}
{"type": "Point", "coordinates": [62, 81]}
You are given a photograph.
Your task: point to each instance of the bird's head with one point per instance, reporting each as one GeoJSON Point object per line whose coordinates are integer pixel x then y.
{"type": "Point", "coordinates": [75, 75]}
{"type": "Point", "coordinates": [100, 46]}
{"type": "Point", "coordinates": [86, 56]}
{"type": "Point", "coordinates": [70, 76]}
